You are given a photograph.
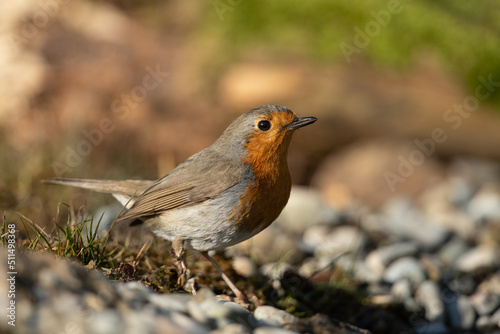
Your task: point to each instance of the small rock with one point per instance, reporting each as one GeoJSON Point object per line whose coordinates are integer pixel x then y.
{"type": "Point", "coordinates": [459, 222]}
{"type": "Point", "coordinates": [380, 258]}
{"type": "Point", "coordinates": [405, 267]}
{"type": "Point", "coordinates": [134, 293]}
{"type": "Point", "coordinates": [463, 284]}
{"type": "Point", "coordinates": [172, 302]}
{"type": "Point", "coordinates": [402, 291]}
{"type": "Point", "coordinates": [184, 322]}
{"type": "Point", "coordinates": [306, 208]}
{"type": "Point", "coordinates": [460, 191]}
{"type": "Point", "coordinates": [272, 330]}
{"type": "Point", "coordinates": [110, 321]}
{"type": "Point", "coordinates": [487, 323]}
{"type": "Point", "coordinates": [478, 258]}
{"type": "Point", "coordinates": [271, 245]}
{"type": "Point", "coordinates": [275, 271]}
{"type": "Point", "coordinates": [432, 267]}
{"type": "Point", "coordinates": [232, 329]}
{"type": "Point", "coordinates": [308, 267]}
{"type": "Point", "coordinates": [362, 272]}
{"type": "Point", "coordinates": [244, 266]}
{"type": "Point", "coordinates": [491, 284]}
{"type": "Point", "coordinates": [461, 313]}
{"type": "Point", "coordinates": [486, 204]}
{"type": "Point", "coordinates": [452, 250]}
{"type": "Point", "coordinates": [485, 303]}
{"type": "Point", "coordinates": [330, 243]}
{"type": "Point", "coordinates": [271, 316]}
{"type": "Point", "coordinates": [428, 295]}
{"type": "Point", "coordinates": [237, 314]}
{"type": "Point", "coordinates": [404, 220]}
{"type": "Point", "coordinates": [197, 312]}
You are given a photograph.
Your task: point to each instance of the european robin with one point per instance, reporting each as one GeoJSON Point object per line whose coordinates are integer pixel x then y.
{"type": "Point", "coordinates": [220, 196]}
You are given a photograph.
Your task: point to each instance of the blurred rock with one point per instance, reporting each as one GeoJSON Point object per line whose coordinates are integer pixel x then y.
{"type": "Point", "coordinates": [433, 267]}
{"type": "Point", "coordinates": [405, 267]}
{"type": "Point", "coordinates": [402, 291]}
{"type": "Point", "coordinates": [485, 303]}
{"type": "Point", "coordinates": [380, 258]}
{"type": "Point", "coordinates": [401, 220]}
{"type": "Point", "coordinates": [271, 316]}
{"type": "Point", "coordinates": [330, 242]}
{"type": "Point", "coordinates": [461, 313]}
{"type": "Point", "coordinates": [485, 205]}
{"type": "Point", "coordinates": [491, 285]}
{"type": "Point", "coordinates": [275, 271]}
{"type": "Point", "coordinates": [244, 266]}
{"type": "Point", "coordinates": [478, 258]}
{"type": "Point", "coordinates": [486, 324]}
{"type": "Point", "coordinates": [429, 296]}
{"type": "Point", "coordinates": [273, 330]}
{"type": "Point", "coordinates": [361, 171]}
{"type": "Point", "coordinates": [232, 329]}
{"type": "Point", "coordinates": [452, 251]}
{"type": "Point", "coordinates": [271, 245]}
{"type": "Point", "coordinates": [306, 208]}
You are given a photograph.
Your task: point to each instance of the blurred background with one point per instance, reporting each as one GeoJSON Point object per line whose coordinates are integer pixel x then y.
{"type": "Point", "coordinates": [129, 89]}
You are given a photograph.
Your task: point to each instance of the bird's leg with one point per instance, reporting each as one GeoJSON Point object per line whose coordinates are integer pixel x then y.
{"type": "Point", "coordinates": [177, 252]}
{"type": "Point", "coordinates": [239, 295]}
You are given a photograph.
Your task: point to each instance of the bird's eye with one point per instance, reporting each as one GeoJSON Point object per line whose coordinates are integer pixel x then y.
{"type": "Point", "coordinates": [264, 125]}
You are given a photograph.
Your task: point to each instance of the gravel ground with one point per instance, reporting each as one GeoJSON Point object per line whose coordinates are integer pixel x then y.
{"type": "Point", "coordinates": [427, 264]}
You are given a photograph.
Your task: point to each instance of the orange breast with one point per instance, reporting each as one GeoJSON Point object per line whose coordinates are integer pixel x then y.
{"type": "Point", "coordinates": [268, 194]}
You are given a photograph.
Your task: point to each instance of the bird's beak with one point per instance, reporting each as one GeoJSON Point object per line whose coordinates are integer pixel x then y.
{"type": "Point", "coordinates": [299, 122]}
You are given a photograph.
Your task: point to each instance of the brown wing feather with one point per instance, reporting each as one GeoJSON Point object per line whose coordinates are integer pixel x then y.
{"type": "Point", "coordinates": [187, 185]}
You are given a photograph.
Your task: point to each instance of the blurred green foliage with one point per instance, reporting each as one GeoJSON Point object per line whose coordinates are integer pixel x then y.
{"type": "Point", "coordinates": [463, 35]}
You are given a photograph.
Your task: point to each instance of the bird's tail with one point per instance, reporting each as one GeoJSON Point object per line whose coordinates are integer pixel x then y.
{"type": "Point", "coordinates": [123, 191]}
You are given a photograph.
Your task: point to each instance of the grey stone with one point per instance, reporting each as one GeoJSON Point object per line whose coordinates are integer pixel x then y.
{"type": "Point", "coordinates": [487, 323]}
{"type": "Point", "coordinates": [329, 243]}
{"type": "Point", "coordinates": [485, 204]}
{"type": "Point", "coordinates": [272, 330]}
{"type": "Point", "coordinates": [109, 321]}
{"type": "Point", "coordinates": [172, 301]}
{"type": "Point", "coordinates": [306, 208]}
{"type": "Point", "coordinates": [271, 245]}
{"type": "Point", "coordinates": [134, 293]}
{"type": "Point", "coordinates": [308, 267]}
{"type": "Point", "coordinates": [429, 296]}
{"type": "Point", "coordinates": [187, 324]}
{"type": "Point", "coordinates": [244, 266]}
{"type": "Point", "coordinates": [460, 191]}
{"type": "Point", "coordinates": [485, 303]}
{"type": "Point", "coordinates": [478, 258]}
{"type": "Point", "coordinates": [402, 292]}
{"type": "Point", "coordinates": [461, 313]}
{"type": "Point", "coordinates": [380, 258]}
{"type": "Point", "coordinates": [232, 329]}
{"type": "Point", "coordinates": [271, 316]}
{"type": "Point", "coordinates": [405, 267]}
{"type": "Point", "coordinates": [403, 220]}
{"type": "Point", "coordinates": [275, 271]}
{"type": "Point", "coordinates": [235, 313]}
{"type": "Point", "coordinates": [452, 251]}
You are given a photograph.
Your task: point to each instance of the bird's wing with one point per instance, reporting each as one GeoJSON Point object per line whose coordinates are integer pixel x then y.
{"type": "Point", "coordinates": [187, 185]}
